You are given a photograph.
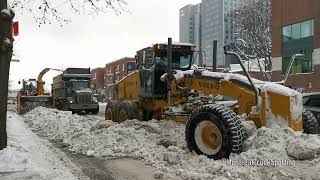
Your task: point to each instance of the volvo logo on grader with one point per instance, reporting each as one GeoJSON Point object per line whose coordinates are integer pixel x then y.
{"type": "Point", "coordinates": [209, 85]}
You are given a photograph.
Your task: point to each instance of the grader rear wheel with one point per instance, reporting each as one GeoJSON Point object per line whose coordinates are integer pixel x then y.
{"type": "Point", "coordinates": [215, 131]}
{"type": "Point", "coordinates": [127, 110]}
{"type": "Point", "coordinates": [310, 122]}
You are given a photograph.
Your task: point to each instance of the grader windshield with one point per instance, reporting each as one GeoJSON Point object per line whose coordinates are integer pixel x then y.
{"type": "Point", "coordinates": [182, 55]}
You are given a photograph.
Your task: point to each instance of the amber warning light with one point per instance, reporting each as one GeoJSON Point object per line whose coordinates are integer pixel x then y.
{"type": "Point", "coordinates": [15, 28]}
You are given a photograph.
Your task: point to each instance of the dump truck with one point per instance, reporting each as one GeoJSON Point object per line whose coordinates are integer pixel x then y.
{"type": "Point", "coordinates": [32, 93]}
{"type": "Point", "coordinates": [71, 91]}
{"type": "Point", "coordinates": [166, 81]}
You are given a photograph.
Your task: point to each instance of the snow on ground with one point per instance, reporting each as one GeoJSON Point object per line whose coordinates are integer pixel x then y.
{"type": "Point", "coordinates": [268, 153]}
{"type": "Point", "coordinates": [27, 156]}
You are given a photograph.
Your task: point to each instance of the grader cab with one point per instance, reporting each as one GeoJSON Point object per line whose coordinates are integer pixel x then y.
{"type": "Point", "coordinates": [167, 86]}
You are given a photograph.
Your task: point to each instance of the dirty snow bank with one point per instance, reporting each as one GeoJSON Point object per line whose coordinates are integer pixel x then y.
{"type": "Point", "coordinates": [27, 156]}
{"type": "Point", "coordinates": [268, 153]}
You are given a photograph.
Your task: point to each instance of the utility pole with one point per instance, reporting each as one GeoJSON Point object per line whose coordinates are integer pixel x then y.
{"type": "Point", "coordinates": [6, 42]}
{"type": "Point", "coordinates": [169, 69]}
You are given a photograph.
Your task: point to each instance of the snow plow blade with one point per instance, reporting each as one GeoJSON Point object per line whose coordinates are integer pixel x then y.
{"type": "Point", "coordinates": [27, 103]}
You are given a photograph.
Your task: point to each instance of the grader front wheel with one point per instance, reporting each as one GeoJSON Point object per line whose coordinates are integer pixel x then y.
{"type": "Point", "coordinates": [215, 131]}
{"type": "Point", "coordinates": [110, 113]}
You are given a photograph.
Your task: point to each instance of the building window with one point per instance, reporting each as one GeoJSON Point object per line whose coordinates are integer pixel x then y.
{"type": "Point", "coordinates": [122, 67]}
{"type": "Point", "coordinates": [298, 39]}
{"type": "Point", "coordinates": [117, 69]}
{"type": "Point", "coordinates": [307, 29]}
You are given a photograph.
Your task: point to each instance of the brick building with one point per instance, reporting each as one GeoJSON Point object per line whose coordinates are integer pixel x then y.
{"type": "Point", "coordinates": [98, 78]}
{"type": "Point", "coordinates": [296, 30]}
{"type": "Point", "coordinates": [115, 71]}
{"type": "Point", "coordinates": [97, 82]}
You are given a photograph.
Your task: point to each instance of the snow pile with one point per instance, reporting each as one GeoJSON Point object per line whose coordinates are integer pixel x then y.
{"type": "Point", "coordinates": [180, 74]}
{"type": "Point", "coordinates": [268, 153]}
{"type": "Point", "coordinates": [14, 159]}
{"type": "Point", "coordinates": [175, 110]}
{"type": "Point", "coordinates": [305, 147]}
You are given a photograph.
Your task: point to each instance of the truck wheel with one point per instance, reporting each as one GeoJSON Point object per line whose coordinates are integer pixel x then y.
{"type": "Point", "coordinates": [127, 110]}
{"type": "Point", "coordinates": [65, 107]}
{"type": "Point", "coordinates": [110, 113]}
{"type": "Point", "coordinates": [310, 122]}
{"type": "Point", "coordinates": [215, 131]}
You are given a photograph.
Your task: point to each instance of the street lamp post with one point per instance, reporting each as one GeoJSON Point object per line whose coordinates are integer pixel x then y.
{"type": "Point", "coordinates": [6, 42]}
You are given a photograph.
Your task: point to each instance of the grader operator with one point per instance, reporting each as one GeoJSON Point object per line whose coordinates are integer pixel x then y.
{"type": "Point", "coordinates": [165, 82]}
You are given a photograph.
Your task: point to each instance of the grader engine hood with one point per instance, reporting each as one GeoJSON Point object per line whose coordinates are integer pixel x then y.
{"type": "Point", "coordinates": [276, 103]}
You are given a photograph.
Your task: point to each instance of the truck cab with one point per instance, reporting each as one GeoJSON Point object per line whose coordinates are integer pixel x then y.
{"type": "Point", "coordinates": [72, 92]}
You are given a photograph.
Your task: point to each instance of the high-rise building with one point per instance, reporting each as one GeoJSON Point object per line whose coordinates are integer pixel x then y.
{"type": "Point", "coordinates": [186, 27]}
{"type": "Point", "coordinates": [210, 20]}
{"type": "Point", "coordinates": [217, 24]}
{"type": "Point", "coordinates": [190, 25]}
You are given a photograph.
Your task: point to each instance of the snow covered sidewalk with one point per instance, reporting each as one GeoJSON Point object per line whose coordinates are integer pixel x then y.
{"type": "Point", "coordinates": [28, 156]}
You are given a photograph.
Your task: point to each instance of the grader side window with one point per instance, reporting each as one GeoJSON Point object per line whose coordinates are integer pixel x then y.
{"type": "Point", "coordinates": [185, 61]}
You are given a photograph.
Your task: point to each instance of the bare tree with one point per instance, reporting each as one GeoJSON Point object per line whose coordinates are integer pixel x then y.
{"type": "Point", "coordinates": [49, 11]}
{"type": "Point", "coordinates": [253, 35]}
{"type": "Point", "coordinates": [43, 11]}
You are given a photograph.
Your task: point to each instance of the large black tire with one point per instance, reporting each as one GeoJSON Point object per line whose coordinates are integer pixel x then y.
{"type": "Point", "coordinates": [127, 110]}
{"type": "Point", "coordinates": [147, 115]}
{"type": "Point", "coordinates": [222, 132]}
{"type": "Point", "coordinates": [310, 122]}
{"type": "Point", "coordinates": [95, 111]}
{"type": "Point", "coordinates": [111, 111]}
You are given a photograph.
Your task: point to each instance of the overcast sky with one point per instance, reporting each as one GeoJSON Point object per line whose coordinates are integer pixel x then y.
{"type": "Point", "coordinates": [93, 41]}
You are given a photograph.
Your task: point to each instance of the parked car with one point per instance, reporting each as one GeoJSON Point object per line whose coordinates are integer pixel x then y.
{"type": "Point", "coordinates": [312, 102]}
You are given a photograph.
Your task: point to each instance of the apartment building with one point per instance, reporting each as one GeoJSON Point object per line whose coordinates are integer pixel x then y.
{"type": "Point", "coordinates": [115, 71]}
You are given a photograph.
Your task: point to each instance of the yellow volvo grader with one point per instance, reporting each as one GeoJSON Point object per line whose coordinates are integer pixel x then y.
{"type": "Point", "coordinates": [166, 85]}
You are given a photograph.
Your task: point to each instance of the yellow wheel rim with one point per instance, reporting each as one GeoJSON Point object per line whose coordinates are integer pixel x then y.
{"type": "Point", "coordinates": [109, 114]}
{"type": "Point", "coordinates": [122, 116]}
{"type": "Point", "coordinates": [208, 137]}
